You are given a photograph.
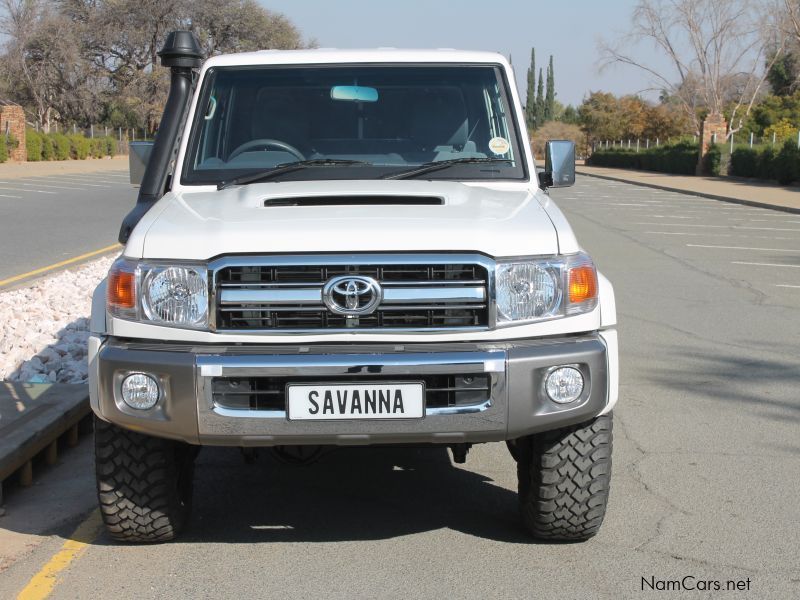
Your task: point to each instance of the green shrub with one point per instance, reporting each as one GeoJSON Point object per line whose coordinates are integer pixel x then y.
{"type": "Point", "coordinates": [766, 163]}
{"type": "Point", "coordinates": [712, 161]}
{"type": "Point", "coordinates": [97, 148]}
{"type": "Point", "coordinates": [787, 163]}
{"type": "Point", "coordinates": [111, 145]}
{"type": "Point", "coordinates": [678, 158]}
{"type": "Point", "coordinates": [47, 147]}
{"type": "Point", "coordinates": [745, 162]}
{"type": "Point", "coordinates": [61, 146]}
{"type": "Point", "coordinates": [80, 146]}
{"type": "Point", "coordinates": [3, 149]}
{"type": "Point", "coordinates": [33, 144]}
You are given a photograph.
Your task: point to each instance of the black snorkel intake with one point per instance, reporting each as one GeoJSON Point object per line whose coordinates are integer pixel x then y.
{"type": "Point", "coordinates": [182, 54]}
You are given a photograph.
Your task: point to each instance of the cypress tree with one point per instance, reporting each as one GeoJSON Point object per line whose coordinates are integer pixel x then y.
{"type": "Point", "coordinates": [530, 97]}
{"type": "Point", "coordinates": [550, 98]}
{"type": "Point", "coordinates": [540, 100]}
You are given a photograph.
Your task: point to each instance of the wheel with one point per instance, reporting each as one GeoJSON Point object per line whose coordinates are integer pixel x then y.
{"type": "Point", "coordinates": [144, 484]}
{"type": "Point", "coordinates": [564, 479]}
{"type": "Point", "coordinates": [266, 143]}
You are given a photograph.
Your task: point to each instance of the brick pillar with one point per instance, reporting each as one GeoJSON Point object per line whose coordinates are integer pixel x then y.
{"type": "Point", "coordinates": [12, 120]}
{"type": "Point", "coordinates": [713, 125]}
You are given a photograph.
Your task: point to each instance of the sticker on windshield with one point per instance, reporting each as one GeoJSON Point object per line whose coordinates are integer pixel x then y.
{"type": "Point", "coordinates": [499, 145]}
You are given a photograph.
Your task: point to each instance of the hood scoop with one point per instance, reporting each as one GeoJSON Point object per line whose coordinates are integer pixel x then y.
{"type": "Point", "coordinates": [354, 201]}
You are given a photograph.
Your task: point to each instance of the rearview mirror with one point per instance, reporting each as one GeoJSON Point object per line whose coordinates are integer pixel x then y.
{"type": "Point", "coordinates": [354, 93]}
{"type": "Point", "coordinates": [138, 157]}
{"type": "Point", "coordinates": [559, 164]}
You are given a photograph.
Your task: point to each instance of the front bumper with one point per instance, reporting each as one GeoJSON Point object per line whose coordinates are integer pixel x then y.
{"type": "Point", "coordinates": [514, 405]}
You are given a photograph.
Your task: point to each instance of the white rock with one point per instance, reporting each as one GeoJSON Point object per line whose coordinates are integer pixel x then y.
{"type": "Point", "coordinates": [44, 327]}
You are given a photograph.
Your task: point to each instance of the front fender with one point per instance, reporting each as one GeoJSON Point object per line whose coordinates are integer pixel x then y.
{"type": "Point", "coordinates": [97, 323]}
{"type": "Point", "coordinates": [608, 304]}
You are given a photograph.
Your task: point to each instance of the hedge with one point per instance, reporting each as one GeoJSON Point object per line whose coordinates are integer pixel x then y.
{"type": "Point", "coordinates": [61, 146]}
{"type": "Point", "coordinates": [33, 144]}
{"type": "Point", "coordinates": [57, 146]}
{"type": "Point", "coordinates": [3, 149]}
{"type": "Point", "coordinates": [766, 163]}
{"type": "Point", "coordinates": [679, 158]}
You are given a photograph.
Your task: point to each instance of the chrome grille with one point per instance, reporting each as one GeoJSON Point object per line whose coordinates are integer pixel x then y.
{"type": "Point", "coordinates": [269, 393]}
{"type": "Point", "coordinates": [254, 295]}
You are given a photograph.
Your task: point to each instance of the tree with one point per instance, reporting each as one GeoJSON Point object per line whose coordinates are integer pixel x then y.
{"type": "Point", "coordinates": [540, 100]}
{"type": "Point", "coordinates": [550, 96]}
{"type": "Point", "coordinates": [86, 60]}
{"type": "Point", "coordinates": [715, 49]}
{"type": "Point", "coordinates": [570, 115]}
{"type": "Point", "coordinates": [530, 97]}
{"type": "Point", "coordinates": [600, 118]}
{"type": "Point", "coordinates": [784, 74]}
{"type": "Point", "coordinates": [556, 130]}
{"type": "Point", "coordinates": [604, 117]}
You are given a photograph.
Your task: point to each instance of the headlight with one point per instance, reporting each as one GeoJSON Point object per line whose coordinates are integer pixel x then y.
{"type": "Point", "coordinates": [175, 295]}
{"type": "Point", "coordinates": [539, 289]}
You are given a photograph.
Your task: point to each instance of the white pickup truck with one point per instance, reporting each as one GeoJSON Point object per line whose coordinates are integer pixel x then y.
{"type": "Point", "coordinates": [346, 247]}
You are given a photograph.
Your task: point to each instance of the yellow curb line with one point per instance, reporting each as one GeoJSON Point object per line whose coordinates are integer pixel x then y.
{"type": "Point", "coordinates": [42, 584]}
{"type": "Point", "coordinates": [63, 263]}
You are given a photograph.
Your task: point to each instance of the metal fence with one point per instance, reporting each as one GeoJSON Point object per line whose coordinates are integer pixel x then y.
{"type": "Point", "coordinates": [123, 135]}
{"type": "Point", "coordinates": [735, 140]}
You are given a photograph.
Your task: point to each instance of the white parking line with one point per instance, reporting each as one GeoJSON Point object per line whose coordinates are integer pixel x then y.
{"type": "Point", "coordinates": [740, 262]}
{"type": "Point", "coordinates": [37, 184]}
{"type": "Point", "coordinates": [82, 177]}
{"type": "Point", "coordinates": [74, 182]}
{"type": "Point", "coordinates": [735, 227]}
{"type": "Point", "coordinates": [671, 217]}
{"type": "Point", "coordinates": [743, 248]}
{"type": "Point", "coordinates": [786, 285]}
{"type": "Point", "coordinates": [26, 190]}
{"type": "Point", "coordinates": [9, 196]}
{"type": "Point", "coordinates": [737, 236]}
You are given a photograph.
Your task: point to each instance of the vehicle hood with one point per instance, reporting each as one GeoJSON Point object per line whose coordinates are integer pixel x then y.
{"type": "Point", "coordinates": [205, 224]}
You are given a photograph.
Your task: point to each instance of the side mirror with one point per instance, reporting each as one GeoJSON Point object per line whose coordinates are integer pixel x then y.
{"type": "Point", "coordinates": [559, 164]}
{"type": "Point", "coordinates": [138, 157]}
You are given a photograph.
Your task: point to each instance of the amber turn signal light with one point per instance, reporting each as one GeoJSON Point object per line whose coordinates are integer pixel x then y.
{"type": "Point", "coordinates": [121, 289]}
{"type": "Point", "coordinates": [582, 284]}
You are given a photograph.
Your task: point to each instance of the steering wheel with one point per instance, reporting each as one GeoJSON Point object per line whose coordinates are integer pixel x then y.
{"type": "Point", "coordinates": [266, 143]}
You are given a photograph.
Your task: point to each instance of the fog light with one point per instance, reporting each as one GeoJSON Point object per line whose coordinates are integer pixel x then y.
{"type": "Point", "coordinates": [140, 391]}
{"type": "Point", "coordinates": [564, 385]}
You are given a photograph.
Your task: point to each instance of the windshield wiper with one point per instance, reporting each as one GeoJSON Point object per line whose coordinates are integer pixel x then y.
{"type": "Point", "coordinates": [441, 164]}
{"type": "Point", "coordinates": [287, 168]}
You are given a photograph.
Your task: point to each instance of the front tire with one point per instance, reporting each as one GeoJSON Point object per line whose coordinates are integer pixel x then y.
{"type": "Point", "coordinates": [144, 484]}
{"type": "Point", "coordinates": [564, 479]}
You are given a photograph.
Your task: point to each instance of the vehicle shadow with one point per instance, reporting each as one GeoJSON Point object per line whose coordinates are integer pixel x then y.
{"type": "Point", "coordinates": [349, 494]}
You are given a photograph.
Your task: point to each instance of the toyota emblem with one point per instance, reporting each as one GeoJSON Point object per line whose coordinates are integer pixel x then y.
{"type": "Point", "coordinates": [352, 295]}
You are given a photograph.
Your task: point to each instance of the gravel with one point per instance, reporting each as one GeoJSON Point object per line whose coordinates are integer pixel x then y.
{"type": "Point", "coordinates": [44, 327]}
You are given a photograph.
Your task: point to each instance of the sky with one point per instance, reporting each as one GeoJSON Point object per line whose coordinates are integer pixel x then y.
{"type": "Point", "coordinates": [567, 29]}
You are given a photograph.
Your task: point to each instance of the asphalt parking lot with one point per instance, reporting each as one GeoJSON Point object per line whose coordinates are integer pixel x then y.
{"type": "Point", "coordinates": [47, 219]}
{"type": "Point", "coordinates": [706, 456]}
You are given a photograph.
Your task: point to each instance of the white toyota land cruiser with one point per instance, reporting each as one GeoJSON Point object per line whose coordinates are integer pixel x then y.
{"type": "Point", "coordinates": [337, 248]}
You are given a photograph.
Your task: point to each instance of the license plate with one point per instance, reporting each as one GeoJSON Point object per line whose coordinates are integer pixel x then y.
{"type": "Point", "coordinates": [385, 400]}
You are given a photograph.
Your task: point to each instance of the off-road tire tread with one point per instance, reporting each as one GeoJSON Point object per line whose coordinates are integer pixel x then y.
{"type": "Point", "coordinates": [139, 481]}
{"type": "Point", "coordinates": [564, 480]}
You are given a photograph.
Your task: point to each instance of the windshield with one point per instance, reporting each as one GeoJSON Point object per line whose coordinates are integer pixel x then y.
{"type": "Point", "coordinates": [384, 119]}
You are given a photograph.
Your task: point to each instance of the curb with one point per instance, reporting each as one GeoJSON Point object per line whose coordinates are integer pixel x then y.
{"type": "Point", "coordinates": [666, 188]}
{"type": "Point", "coordinates": [34, 418]}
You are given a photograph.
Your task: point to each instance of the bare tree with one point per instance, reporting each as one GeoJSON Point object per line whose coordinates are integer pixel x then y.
{"type": "Point", "coordinates": [41, 63]}
{"type": "Point", "coordinates": [83, 60]}
{"type": "Point", "coordinates": [716, 50]}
